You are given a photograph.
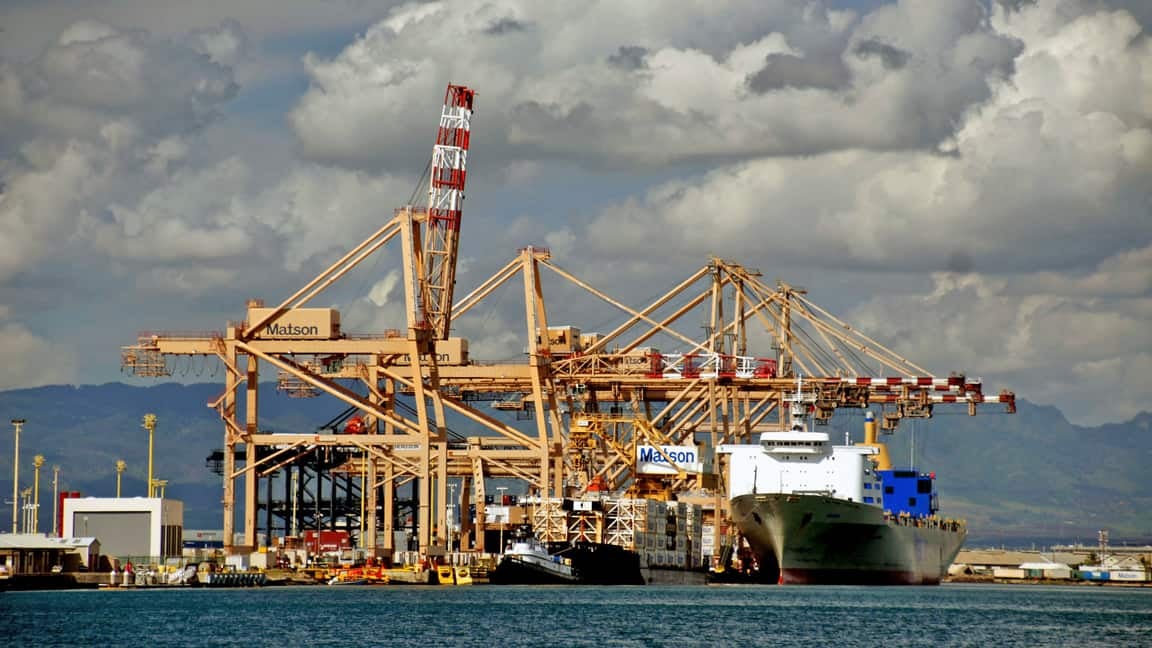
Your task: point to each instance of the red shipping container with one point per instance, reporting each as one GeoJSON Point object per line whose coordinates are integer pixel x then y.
{"type": "Point", "coordinates": [63, 495]}
{"type": "Point", "coordinates": [327, 540]}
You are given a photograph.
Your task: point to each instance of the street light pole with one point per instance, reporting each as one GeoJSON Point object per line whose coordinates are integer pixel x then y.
{"type": "Point", "coordinates": [120, 466]}
{"type": "Point", "coordinates": [363, 488]}
{"type": "Point", "coordinates": [26, 495]}
{"type": "Point", "coordinates": [150, 425]}
{"type": "Point", "coordinates": [504, 519]}
{"type": "Point", "coordinates": [17, 423]}
{"type": "Point", "coordinates": [37, 463]}
{"type": "Point", "coordinates": [56, 501]}
{"type": "Point", "coordinates": [448, 509]}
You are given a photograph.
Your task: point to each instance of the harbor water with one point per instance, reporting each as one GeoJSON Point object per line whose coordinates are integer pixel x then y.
{"type": "Point", "coordinates": [956, 615]}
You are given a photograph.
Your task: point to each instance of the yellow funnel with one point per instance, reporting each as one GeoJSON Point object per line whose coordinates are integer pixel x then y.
{"type": "Point", "coordinates": [883, 461]}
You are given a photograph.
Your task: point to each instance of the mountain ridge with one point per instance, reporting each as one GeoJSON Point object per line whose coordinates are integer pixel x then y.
{"type": "Point", "coordinates": [1029, 475]}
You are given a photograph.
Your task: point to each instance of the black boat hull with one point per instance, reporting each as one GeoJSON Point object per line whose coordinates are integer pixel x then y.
{"type": "Point", "coordinates": [517, 572]}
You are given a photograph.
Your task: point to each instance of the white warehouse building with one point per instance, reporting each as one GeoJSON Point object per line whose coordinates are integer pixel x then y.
{"type": "Point", "coordinates": [132, 528]}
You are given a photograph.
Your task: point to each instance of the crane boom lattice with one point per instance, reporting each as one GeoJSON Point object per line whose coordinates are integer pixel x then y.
{"type": "Point", "coordinates": [445, 203]}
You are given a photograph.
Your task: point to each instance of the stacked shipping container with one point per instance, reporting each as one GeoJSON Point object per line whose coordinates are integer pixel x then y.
{"type": "Point", "coordinates": [664, 534]}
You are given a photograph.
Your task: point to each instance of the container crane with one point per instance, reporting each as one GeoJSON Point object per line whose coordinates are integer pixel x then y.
{"type": "Point", "coordinates": [287, 335]}
{"type": "Point", "coordinates": [598, 403]}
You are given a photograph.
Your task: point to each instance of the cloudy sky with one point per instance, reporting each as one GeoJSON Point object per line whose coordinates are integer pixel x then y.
{"type": "Point", "coordinates": [970, 182]}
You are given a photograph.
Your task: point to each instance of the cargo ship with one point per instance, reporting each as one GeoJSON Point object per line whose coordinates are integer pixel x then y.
{"type": "Point", "coordinates": [817, 513]}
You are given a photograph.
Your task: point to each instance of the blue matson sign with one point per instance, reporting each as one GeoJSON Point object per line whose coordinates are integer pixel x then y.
{"type": "Point", "coordinates": [649, 460]}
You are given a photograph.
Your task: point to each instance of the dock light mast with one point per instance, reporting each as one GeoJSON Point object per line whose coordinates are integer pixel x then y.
{"type": "Point", "coordinates": [505, 520]}
{"type": "Point", "coordinates": [26, 496]}
{"type": "Point", "coordinates": [120, 466]}
{"type": "Point", "coordinates": [449, 509]}
{"type": "Point", "coordinates": [16, 423]}
{"type": "Point", "coordinates": [56, 501]}
{"type": "Point", "coordinates": [150, 425]}
{"type": "Point", "coordinates": [37, 463]}
{"type": "Point", "coordinates": [363, 487]}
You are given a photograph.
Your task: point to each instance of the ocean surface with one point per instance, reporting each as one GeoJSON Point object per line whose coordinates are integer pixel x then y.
{"type": "Point", "coordinates": [737, 615]}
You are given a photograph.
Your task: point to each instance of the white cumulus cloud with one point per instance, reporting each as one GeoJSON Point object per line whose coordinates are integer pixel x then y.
{"type": "Point", "coordinates": [737, 78]}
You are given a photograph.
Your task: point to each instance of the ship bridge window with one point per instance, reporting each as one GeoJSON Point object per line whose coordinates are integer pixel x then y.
{"type": "Point", "coordinates": [797, 444]}
{"type": "Point", "coordinates": [911, 501]}
{"type": "Point", "coordinates": [889, 490]}
{"type": "Point", "coordinates": [924, 486]}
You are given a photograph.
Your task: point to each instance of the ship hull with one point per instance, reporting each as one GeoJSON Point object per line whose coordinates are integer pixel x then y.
{"type": "Point", "coordinates": [815, 539]}
{"type": "Point", "coordinates": [515, 571]}
{"type": "Point", "coordinates": [603, 564]}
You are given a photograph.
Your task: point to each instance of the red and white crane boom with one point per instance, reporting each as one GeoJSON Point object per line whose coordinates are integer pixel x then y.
{"type": "Point", "coordinates": [445, 203]}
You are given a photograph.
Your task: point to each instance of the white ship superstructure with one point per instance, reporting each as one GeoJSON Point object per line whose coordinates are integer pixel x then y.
{"type": "Point", "coordinates": [799, 461]}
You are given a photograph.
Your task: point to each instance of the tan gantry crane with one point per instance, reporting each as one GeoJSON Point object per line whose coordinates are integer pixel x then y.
{"type": "Point", "coordinates": [624, 396]}
{"type": "Point", "coordinates": [592, 401]}
{"type": "Point", "coordinates": [399, 447]}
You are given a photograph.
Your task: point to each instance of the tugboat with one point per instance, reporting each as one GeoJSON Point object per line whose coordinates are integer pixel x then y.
{"type": "Point", "coordinates": [526, 561]}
